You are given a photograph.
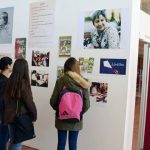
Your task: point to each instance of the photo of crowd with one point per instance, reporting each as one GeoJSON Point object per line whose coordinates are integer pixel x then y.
{"type": "Point", "coordinates": [39, 78]}
{"type": "Point", "coordinates": [99, 91]}
{"type": "Point", "coordinates": [40, 58]}
{"type": "Point", "coordinates": [102, 29]}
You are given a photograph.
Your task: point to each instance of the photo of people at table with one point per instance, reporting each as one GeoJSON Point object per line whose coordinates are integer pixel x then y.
{"type": "Point", "coordinates": [39, 78]}
{"type": "Point", "coordinates": [99, 91]}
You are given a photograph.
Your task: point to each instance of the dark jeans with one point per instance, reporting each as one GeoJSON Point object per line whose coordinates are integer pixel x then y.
{"type": "Point", "coordinates": [3, 136]}
{"type": "Point", "coordinates": [12, 146]}
{"type": "Point", "coordinates": [62, 137]}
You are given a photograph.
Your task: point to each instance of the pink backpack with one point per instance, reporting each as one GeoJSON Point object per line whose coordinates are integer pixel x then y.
{"type": "Point", "coordinates": [70, 106]}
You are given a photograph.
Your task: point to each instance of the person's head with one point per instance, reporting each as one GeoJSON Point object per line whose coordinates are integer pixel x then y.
{"type": "Point", "coordinates": [6, 64]}
{"type": "Point", "coordinates": [34, 72]}
{"type": "Point", "coordinates": [20, 69]}
{"type": "Point", "coordinates": [18, 79]}
{"type": "Point", "coordinates": [99, 19]}
{"type": "Point", "coordinates": [3, 18]}
{"type": "Point", "coordinates": [71, 64]}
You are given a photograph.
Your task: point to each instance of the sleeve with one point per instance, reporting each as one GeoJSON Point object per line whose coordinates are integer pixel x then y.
{"type": "Point", "coordinates": [95, 39]}
{"type": "Point", "coordinates": [55, 96]}
{"type": "Point", "coordinates": [86, 100]}
{"type": "Point", "coordinates": [113, 38]}
{"type": "Point", "coordinates": [29, 103]}
{"type": "Point", "coordinates": [2, 89]}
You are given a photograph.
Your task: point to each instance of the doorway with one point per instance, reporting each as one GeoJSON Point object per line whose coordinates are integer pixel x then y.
{"type": "Point", "coordinates": [141, 96]}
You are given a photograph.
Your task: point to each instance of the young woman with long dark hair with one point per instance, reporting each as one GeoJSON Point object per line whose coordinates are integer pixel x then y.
{"type": "Point", "coordinates": [18, 89]}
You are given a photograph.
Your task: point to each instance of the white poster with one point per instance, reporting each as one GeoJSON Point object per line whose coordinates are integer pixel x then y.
{"type": "Point", "coordinates": [41, 25]}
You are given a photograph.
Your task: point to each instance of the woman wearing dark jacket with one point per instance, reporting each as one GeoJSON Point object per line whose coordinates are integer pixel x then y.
{"type": "Point", "coordinates": [18, 89]}
{"type": "Point", "coordinates": [6, 68]}
{"type": "Point", "coordinates": [73, 79]}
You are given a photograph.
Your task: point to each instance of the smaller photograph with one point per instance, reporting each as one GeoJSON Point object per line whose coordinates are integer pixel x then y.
{"type": "Point", "coordinates": [20, 48]}
{"type": "Point", "coordinates": [86, 64]}
{"type": "Point", "coordinates": [39, 78]}
{"type": "Point", "coordinates": [60, 71]}
{"type": "Point", "coordinates": [65, 46]}
{"type": "Point", "coordinates": [98, 91]}
{"type": "Point", "coordinates": [40, 58]}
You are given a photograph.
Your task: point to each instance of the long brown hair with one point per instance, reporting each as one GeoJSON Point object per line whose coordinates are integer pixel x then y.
{"type": "Point", "coordinates": [19, 79]}
{"type": "Point", "coordinates": [71, 64]}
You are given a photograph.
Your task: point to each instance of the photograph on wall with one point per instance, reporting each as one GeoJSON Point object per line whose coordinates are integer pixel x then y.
{"type": "Point", "coordinates": [39, 78]}
{"type": "Point", "coordinates": [102, 29]}
{"type": "Point", "coordinates": [65, 46]}
{"type": "Point", "coordinates": [40, 58]}
{"type": "Point", "coordinates": [20, 48]}
{"type": "Point", "coordinates": [86, 64]}
{"type": "Point", "coordinates": [60, 71]}
{"type": "Point", "coordinates": [98, 92]}
{"type": "Point", "coordinates": [6, 25]}
{"type": "Point", "coordinates": [113, 66]}
{"type": "Point", "coordinates": [41, 24]}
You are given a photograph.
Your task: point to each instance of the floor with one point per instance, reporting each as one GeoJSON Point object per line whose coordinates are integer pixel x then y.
{"type": "Point", "coordinates": [135, 130]}
{"type": "Point", "coordinates": [27, 148]}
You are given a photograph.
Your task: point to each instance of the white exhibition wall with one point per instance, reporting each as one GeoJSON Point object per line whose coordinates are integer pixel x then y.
{"type": "Point", "coordinates": [107, 126]}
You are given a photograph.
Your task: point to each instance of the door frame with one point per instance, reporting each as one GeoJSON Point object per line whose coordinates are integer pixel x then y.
{"type": "Point", "coordinates": [144, 95]}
